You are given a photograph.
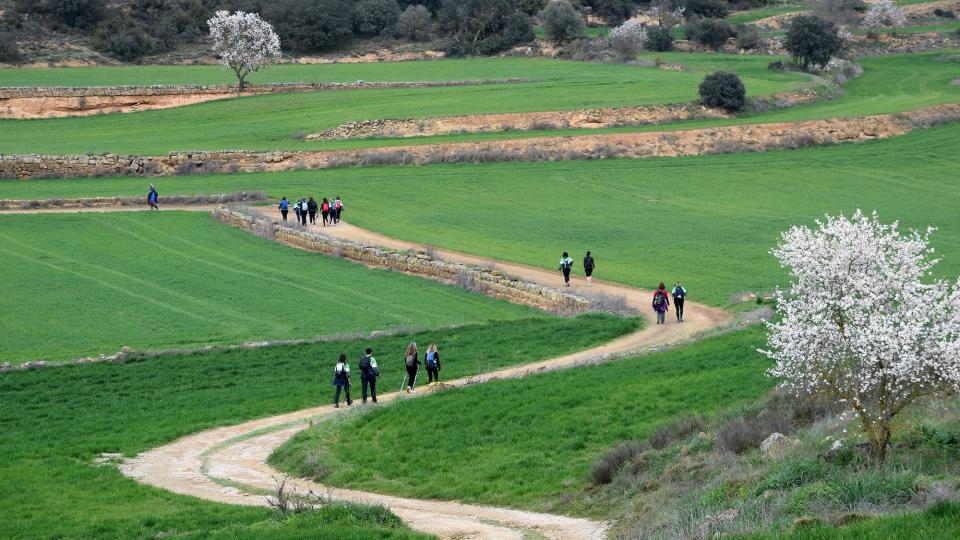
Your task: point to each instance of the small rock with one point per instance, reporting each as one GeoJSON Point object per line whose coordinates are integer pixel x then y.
{"type": "Point", "coordinates": [776, 444]}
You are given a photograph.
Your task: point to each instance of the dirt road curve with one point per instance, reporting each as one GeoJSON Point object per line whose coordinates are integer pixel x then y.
{"type": "Point", "coordinates": [228, 464]}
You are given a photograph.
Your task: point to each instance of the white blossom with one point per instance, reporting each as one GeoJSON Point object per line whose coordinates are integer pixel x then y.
{"type": "Point", "coordinates": [884, 14]}
{"type": "Point", "coordinates": [863, 321]}
{"type": "Point", "coordinates": [628, 38]}
{"type": "Point", "coordinates": [837, 444]}
{"type": "Point", "coordinates": [844, 33]}
{"type": "Point", "coordinates": [243, 42]}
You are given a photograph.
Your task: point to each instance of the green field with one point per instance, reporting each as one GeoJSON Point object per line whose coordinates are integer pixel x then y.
{"type": "Point", "coordinates": [87, 284]}
{"type": "Point", "coordinates": [524, 443]}
{"type": "Point", "coordinates": [56, 421]}
{"type": "Point", "coordinates": [707, 220]}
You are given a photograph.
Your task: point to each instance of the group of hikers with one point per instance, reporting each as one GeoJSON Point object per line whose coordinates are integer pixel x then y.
{"type": "Point", "coordinates": [370, 372]}
{"type": "Point", "coordinates": [308, 208]}
{"type": "Point", "coordinates": [661, 298]}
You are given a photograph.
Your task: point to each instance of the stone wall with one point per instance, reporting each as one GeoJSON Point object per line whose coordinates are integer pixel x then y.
{"type": "Point", "coordinates": [113, 202]}
{"type": "Point", "coordinates": [486, 281]}
{"type": "Point", "coordinates": [727, 139]}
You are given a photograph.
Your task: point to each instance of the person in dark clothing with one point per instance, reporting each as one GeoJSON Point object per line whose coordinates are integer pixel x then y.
{"type": "Point", "coordinates": [412, 360]}
{"type": "Point", "coordinates": [679, 293]}
{"type": "Point", "coordinates": [325, 212]}
{"type": "Point", "coordinates": [153, 199]}
{"type": "Point", "coordinates": [296, 210]}
{"type": "Point", "coordinates": [566, 264]}
{"type": "Point", "coordinates": [431, 360]}
{"type": "Point", "coordinates": [368, 375]}
{"type": "Point", "coordinates": [303, 212]}
{"type": "Point", "coordinates": [661, 303]}
{"type": "Point", "coordinates": [284, 208]}
{"type": "Point", "coordinates": [341, 379]}
{"type": "Point", "coordinates": [312, 209]}
{"type": "Point", "coordinates": [588, 266]}
{"type": "Point", "coordinates": [337, 209]}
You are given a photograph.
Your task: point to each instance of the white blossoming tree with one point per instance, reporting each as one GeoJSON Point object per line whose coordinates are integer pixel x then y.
{"type": "Point", "coordinates": [884, 14]}
{"type": "Point", "coordinates": [863, 323]}
{"type": "Point", "coordinates": [628, 38]}
{"type": "Point", "coordinates": [243, 42]}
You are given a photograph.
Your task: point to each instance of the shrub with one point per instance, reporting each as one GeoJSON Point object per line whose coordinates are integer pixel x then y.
{"type": "Point", "coordinates": [8, 48]}
{"type": "Point", "coordinates": [561, 22]}
{"type": "Point", "coordinates": [723, 90]}
{"type": "Point", "coordinates": [812, 40]}
{"type": "Point", "coordinates": [667, 434]}
{"type": "Point", "coordinates": [775, 66]}
{"type": "Point", "coordinates": [839, 12]}
{"type": "Point", "coordinates": [75, 13]}
{"type": "Point", "coordinates": [310, 25]}
{"type": "Point", "coordinates": [709, 33]}
{"type": "Point", "coordinates": [628, 38]}
{"type": "Point", "coordinates": [945, 13]}
{"type": "Point", "coordinates": [791, 473]}
{"type": "Point", "coordinates": [711, 9]}
{"type": "Point", "coordinates": [605, 469]}
{"type": "Point", "coordinates": [415, 23]}
{"type": "Point", "coordinates": [659, 39]}
{"type": "Point", "coordinates": [374, 17]}
{"type": "Point", "coordinates": [748, 37]}
{"type": "Point", "coordinates": [876, 487]}
{"type": "Point", "coordinates": [476, 26]}
{"type": "Point", "coordinates": [749, 431]}
{"type": "Point", "coordinates": [884, 14]}
{"type": "Point", "coordinates": [519, 29]}
{"type": "Point", "coordinates": [613, 11]}
{"type": "Point", "coordinates": [129, 44]}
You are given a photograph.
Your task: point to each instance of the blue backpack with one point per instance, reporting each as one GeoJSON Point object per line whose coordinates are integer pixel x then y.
{"type": "Point", "coordinates": [431, 359]}
{"type": "Point", "coordinates": [284, 204]}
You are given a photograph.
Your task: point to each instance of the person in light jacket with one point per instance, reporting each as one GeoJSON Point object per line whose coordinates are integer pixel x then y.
{"type": "Point", "coordinates": [341, 380]}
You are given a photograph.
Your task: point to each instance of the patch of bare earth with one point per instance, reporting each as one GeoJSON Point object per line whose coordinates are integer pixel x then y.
{"type": "Point", "coordinates": [58, 107]}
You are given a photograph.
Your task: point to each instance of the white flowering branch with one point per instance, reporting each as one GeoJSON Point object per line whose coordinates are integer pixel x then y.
{"type": "Point", "coordinates": [243, 42]}
{"type": "Point", "coordinates": [628, 38]}
{"type": "Point", "coordinates": [884, 14]}
{"type": "Point", "coordinates": [863, 323]}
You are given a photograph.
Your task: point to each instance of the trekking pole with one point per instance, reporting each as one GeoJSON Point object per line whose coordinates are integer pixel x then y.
{"type": "Point", "coordinates": [404, 383]}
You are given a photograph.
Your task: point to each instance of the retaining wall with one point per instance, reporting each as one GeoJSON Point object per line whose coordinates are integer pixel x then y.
{"type": "Point", "coordinates": [487, 281]}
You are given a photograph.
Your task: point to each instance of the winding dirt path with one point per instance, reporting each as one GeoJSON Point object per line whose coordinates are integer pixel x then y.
{"type": "Point", "coordinates": [228, 464]}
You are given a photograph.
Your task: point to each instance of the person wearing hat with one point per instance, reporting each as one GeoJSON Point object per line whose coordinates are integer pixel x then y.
{"type": "Point", "coordinates": [153, 199]}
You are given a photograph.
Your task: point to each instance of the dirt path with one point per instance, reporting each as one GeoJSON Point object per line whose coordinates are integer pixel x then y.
{"type": "Point", "coordinates": [106, 209]}
{"type": "Point", "coordinates": [228, 464]}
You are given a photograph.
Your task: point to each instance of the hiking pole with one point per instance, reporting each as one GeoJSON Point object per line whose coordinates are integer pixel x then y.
{"type": "Point", "coordinates": [404, 383]}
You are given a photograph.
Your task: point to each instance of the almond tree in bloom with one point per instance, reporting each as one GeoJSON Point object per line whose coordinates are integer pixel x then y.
{"type": "Point", "coordinates": [243, 42]}
{"type": "Point", "coordinates": [863, 323]}
{"type": "Point", "coordinates": [884, 13]}
{"type": "Point", "coordinates": [628, 38]}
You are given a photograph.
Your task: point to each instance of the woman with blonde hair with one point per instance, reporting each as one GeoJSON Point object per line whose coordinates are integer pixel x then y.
{"type": "Point", "coordinates": [431, 360]}
{"type": "Point", "coordinates": [412, 360]}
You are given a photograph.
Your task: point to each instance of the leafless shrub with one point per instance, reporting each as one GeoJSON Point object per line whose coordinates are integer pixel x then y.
{"type": "Point", "coordinates": [339, 162]}
{"type": "Point", "coordinates": [532, 153]}
{"type": "Point", "coordinates": [288, 501]}
{"type": "Point", "coordinates": [401, 157]}
{"type": "Point", "coordinates": [794, 142]}
{"type": "Point", "coordinates": [542, 125]}
{"type": "Point", "coordinates": [300, 136]}
{"type": "Point", "coordinates": [742, 434]}
{"type": "Point", "coordinates": [606, 467]}
{"type": "Point", "coordinates": [923, 121]}
{"type": "Point", "coordinates": [679, 429]}
{"type": "Point", "coordinates": [152, 168]}
{"type": "Point", "coordinates": [431, 251]}
{"type": "Point", "coordinates": [730, 146]}
{"type": "Point", "coordinates": [608, 151]}
{"type": "Point", "coordinates": [209, 166]}
{"type": "Point", "coordinates": [608, 303]}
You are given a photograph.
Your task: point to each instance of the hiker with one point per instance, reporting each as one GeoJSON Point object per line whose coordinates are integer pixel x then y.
{"type": "Point", "coordinates": [296, 210]}
{"type": "Point", "coordinates": [412, 359]}
{"type": "Point", "coordinates": [284, 208]}
{"type": "Point", "coordinates": [661, 303]}
{"type": "Point", "coordinates": [337, 208]}
{"type": "Point", "coordinates": [325, 211]}
{"type": "Point", "coordinates": [304, 211]}
{"type": "Point", "coordinates": [431, 360]}
{"type": "Point", "coordinates": [588, 266]}
{"type": "Point", "coordinates": [368, 375]}
{"type": "Point", "coordinates": [679, 293]}
{"type": "Point", "coordinates": [341, 379]}
{"type": "Point", "coordinates": [312, 210]}
{"type": "Point", "coordinates": [153, 199]}
{"type": "Point", "coordinates": [566, 263]}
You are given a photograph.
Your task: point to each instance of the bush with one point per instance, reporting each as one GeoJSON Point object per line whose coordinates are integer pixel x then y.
{"type": "Point", "coordinates": [128, 45]}
{"type": "Point", "coordinates": [613, 11]}
{"type": "Point", "coordinates": [875, 487]}
{"type": "Point", "coordinates": [310, 25]}
{"type": "Point", "coordinates": [774, 66]}
{"type": "Point", "coordinates": [945, 13]}
{"type": "Point", "coordinates": [479, 26]}
{"type": "Point", "coordinates": [8, 48]}
{"type": "Point", "coordinates": [375, 17]}
{"type": "Point", "coordinates": [561, 22]}
{"type": "Point", "coordinates": [667, 434]}
{"type": "Point", "coordinates": [75, 13]}
{"type": "Point", "coordinates": [605, 469]}
{"type": "Point", "coordinates": [628, 38]}
{"type": "Point", "coordinates": [839, 12]}
{"type": "Point", "coordinates": [812, 40]}
{"type": "Point", "coordinates": [709, 33]}
{"type": "Point", "coordinates": [659, 39]}
{"type": "Point", "coordinates": [415, 23]}
{"type": "Point", "coordinates": [749, 431]}
{"type": "Point", "coordinates": [748, 37]}
{"type": "Point", "coordinates": [710, 9]}
{"type": "Point", "coordinates": [791, 473]}
{"type": "Point", "coordinates": [518, 29]}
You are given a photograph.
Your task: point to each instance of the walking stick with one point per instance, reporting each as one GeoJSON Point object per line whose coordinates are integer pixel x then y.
{"type": "Point", "coordinates": [404, 383]}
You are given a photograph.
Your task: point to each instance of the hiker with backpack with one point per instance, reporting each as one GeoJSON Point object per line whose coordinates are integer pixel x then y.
{"type": "Point", "coordinates": [566, 264]}
{"type": "Point", "coordinates": [368, 375]}
{"type": "Point", "coordinates": [296, 210]}
{"type": "Point", "coordinates": [325, 211]}
{"type": "Point", "coordinates": [312, 210]}
{"type": "Point", "coordinates": [341, 380]}
{"type": "Point", "coordinates": [679, 293]}
{"type": "Point", "coordinates": [284, 208]}
{"type": "Point", "coordinates": [588, 266]}
{"type": "Point", "coordinates": [431, 360]}
{"type": "Point", "coordinates": [412, 360]}
{"type": "Point", "coordinates": [337, 208]}
{"type": "Point", "coordinates": [304, 211]}
{"type": "Point", "coordinates": [153, 199]}
{"type": "Point", "coordinates": [661, 303]}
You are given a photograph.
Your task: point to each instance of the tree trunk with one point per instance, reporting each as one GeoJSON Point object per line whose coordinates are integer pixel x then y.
{"type": "Point", "coordinates": [880, 441]}
{"type": "Point", "coordinates": [243, 83]}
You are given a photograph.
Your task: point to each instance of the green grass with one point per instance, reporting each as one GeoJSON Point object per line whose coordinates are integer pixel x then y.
{"type": "Point", "coordinates": [708, 220]}
{"type": "Point", "coordinates": [55, 421]}
{"type": "Point", "coordinates": [525, 443]}
{"type": "Point", "coordinates": [86, 284]}
{"type": "Point", "coordinates": [272, 121]}
{"type": "Point", "coordinates": [939, 522]}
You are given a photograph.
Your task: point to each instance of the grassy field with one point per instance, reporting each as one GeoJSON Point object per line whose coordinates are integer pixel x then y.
{"type": "Point", "coordinates": [56, 421]}
{"type": "Point", "coordinates": [272, 121]}
{"type": "Point", "coordinates": [708, 220]}
{"type": "Point", "coordinates": [86, 284]}
{"type": "Point", "coordinates": [524, 443]}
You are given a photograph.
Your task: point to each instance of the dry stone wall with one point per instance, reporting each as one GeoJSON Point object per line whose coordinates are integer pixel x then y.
{"type": "Point", "coordinates": [486, 281]}
{"type": "Point", "coordinates": [113, 202]}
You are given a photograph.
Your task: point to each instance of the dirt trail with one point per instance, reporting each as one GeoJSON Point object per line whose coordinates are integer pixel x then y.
{"type": "Point", "coordinates": [217, 463]}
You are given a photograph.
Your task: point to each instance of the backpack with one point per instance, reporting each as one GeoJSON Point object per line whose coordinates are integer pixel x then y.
{"type": "Point", "coordinates": [411, 360]}
{"type": "Point", "coordinates": [679, 293]}
{"type": "Point", "coordinates": [659, 299]}
{"type": "Point", "coordinates": [431, 359]}
{"type": "Point", "coordinates": [566, 263]}
{"type": "Point", "coordinates": [284, 204]}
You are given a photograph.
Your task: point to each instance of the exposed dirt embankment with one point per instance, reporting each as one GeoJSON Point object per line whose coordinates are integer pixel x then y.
{"type": "Point", "coordinates": [24, 103]}
{"type": "Point", "coordinates": [118, 202]}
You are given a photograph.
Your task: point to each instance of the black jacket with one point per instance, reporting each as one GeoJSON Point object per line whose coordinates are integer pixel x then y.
{"type": "Point", "coordinates": [312, 206]}
{"type": "Point", "coordinates": [367, 371]}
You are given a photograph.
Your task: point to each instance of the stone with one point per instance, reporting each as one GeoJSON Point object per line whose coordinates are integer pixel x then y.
{"type": "Point", "coordinates": [776, 444]}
